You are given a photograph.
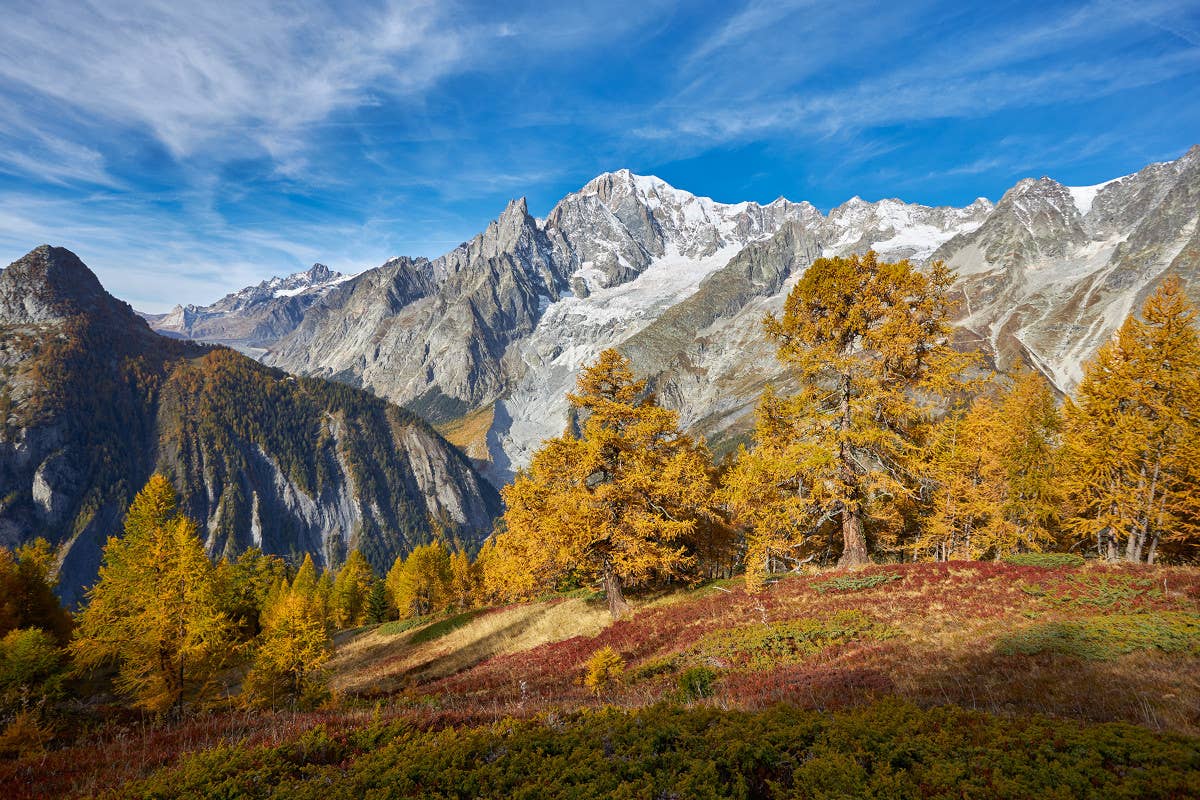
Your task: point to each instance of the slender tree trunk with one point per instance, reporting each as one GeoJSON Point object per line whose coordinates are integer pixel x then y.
{"type": "Point", "coordinates": [1153, 549]}
{"type": "Point", "coordinates": [854, 540]}
{"type": "Point", "coordinates": [612, 592]}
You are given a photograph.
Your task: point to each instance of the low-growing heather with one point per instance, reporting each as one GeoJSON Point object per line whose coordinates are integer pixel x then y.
{"type": "Point", "coordinates": [766, 646]}
{"type": "Point", "coordinates": [855, 583]}
{"type": "Point", "coordinates": [889, 749]}
{"type": "Point", "coordinates": [1101, 638]}
{"type": "Point", "coordinates": [1047, 560]}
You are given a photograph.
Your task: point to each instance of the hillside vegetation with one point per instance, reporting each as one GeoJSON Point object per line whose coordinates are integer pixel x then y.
{"type": "Point", "coordinates": [1080, 680]}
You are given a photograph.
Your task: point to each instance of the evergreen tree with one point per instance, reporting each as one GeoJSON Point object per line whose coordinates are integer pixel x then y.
{"type": "Point", "coordinates": [154, 609]}
{"type": "Point", "coordinates": [869, 344]}
{"type": "Point", "coordinates": [377, 604]}
{"type": "Point", "coordinates": [622, 503]}
{"type": "Point", "coordinates": [1132, 441]}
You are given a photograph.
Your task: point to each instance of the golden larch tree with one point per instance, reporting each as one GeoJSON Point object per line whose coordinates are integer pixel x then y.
{"type": "Point", "coordinates": [351, 588]}
{"type": "Point", "coordinates": [992, 471]}
{"type": "Point", "coordinates": [622, 503]}
{"type": "Point", "coordinates": [419, 583]}
{"type": "Point", "coordinates": [154, 609]}
{"type": "Point", "coordinates": [292, 649]}
{"type": "Point", "coordinates": [869, 343]}
{"type": "Point", "coordinates": [1132, 440]}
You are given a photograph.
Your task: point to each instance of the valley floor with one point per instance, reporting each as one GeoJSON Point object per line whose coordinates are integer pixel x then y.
{"type": "Point", "coordinates": [937, 679]}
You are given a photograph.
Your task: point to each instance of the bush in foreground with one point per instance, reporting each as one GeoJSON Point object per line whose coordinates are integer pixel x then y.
{"type": "Point", "coordinates": [891, 749]}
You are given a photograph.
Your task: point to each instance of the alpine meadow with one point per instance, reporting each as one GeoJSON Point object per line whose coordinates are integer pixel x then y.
{"type": "Point", "coordinates": [626, 491]}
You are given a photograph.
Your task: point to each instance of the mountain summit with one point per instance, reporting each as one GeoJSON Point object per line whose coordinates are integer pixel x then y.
{"type": "Point", "coordinates": [499, 326]}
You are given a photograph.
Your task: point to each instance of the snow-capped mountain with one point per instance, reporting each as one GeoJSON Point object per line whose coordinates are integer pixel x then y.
{"type": "Point", "coordinates": [500, 325]}
{"type": "Point", "coordinates": [506, 320]}
{"type": "Point", "coordinates": [253, 317]}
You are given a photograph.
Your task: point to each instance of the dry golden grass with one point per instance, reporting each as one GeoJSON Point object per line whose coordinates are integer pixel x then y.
{"type": "Point", "coordinates": [469, 433]}
{"type": "Point", "coordinates": [373, 662]}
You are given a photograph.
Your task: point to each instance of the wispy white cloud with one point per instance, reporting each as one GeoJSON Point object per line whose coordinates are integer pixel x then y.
{"type": "Point", "coordinates": [253, 73]}
{"type": "Point", "coordinates": [1033, 60]}
{"type": "Point", "coordinates": [189, 150]}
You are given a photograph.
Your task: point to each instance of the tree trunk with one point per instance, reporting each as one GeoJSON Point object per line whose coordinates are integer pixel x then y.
{"type": "Point", "coordinates": [854, 541]}
{"type": "Point", "coordinates": [612, 592]}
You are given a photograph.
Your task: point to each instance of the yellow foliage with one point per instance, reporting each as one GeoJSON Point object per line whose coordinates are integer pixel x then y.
{"type": "Point", "coordinates": [1132, 440]}
{"type": "Point", "coordinates": [421, 583]}
{"type": "Point", "coordinates": [292, 648]}
{"type": "Point", "coordinates": [605, 668]}
{"type": "Point", "coordinates": [154, 609]}
{"type": "Point", "coordinates": [627, 502]}
{"type": "Point", "coordinates": [994, 474]}
{"type": "Point", "coordinates": [351, 588]}
{"type": "Point", "coordinates": [869, 344]}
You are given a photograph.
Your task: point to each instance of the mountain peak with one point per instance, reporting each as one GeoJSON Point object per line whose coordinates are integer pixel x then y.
{"type": "Point", "coordinates": [49, 284]}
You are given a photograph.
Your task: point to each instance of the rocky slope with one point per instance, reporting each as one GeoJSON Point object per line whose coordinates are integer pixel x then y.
{"type": "Point", "coordinates": [681, 283]}
{"type": "Point", "coordinates": [254, 317]}
{"type": "Point", "coordinates": [92, 401]}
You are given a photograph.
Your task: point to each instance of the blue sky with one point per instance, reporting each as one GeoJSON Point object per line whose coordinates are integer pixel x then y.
{"type": "Point", "coordinates": [186, 152]}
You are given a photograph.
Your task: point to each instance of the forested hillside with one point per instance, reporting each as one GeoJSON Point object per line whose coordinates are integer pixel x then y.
{"type": "Point", "coordinates": [94, 402]}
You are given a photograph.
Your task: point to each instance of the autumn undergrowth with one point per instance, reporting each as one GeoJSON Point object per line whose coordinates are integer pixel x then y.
{"type": "Point", "coordinates": [1020, 644]}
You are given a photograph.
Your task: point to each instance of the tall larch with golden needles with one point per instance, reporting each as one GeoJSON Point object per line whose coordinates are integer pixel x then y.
{"type": "Point", "coordinates": [869, 343]}
{"type": "Point", "coordinates": [154, 610]}
{"type": "Point", "coordinates": [1132, 442]}
{"type": "Point", "coordinates": [621, 503]}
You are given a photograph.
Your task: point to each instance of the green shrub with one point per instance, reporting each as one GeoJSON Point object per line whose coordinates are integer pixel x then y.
{"type": "Point", "coordinates": [1102, 638]}
{"type": "Point", "coordinates": [604, 669]}
{"type": "Point", "coordinates": [696, 683]}
{"type": "Point", "coordinates": [653, 669]}
{"type": "Point", "coordinates": [1047, 560]}
{"type": "Point", "coordinates": [31, 667]}
{"type": "Point", "coordinates": [852, 583]}
{"type": "Point", "coordinates": [889, 749]}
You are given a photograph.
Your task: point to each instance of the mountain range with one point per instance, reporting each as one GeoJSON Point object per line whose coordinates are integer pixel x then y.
{"type": "Point", "coordinates": [92, 401]}
{"type": "Point", "coordinates": [486, 339]}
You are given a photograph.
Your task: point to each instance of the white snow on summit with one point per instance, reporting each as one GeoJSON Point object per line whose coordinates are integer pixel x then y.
{"type": "Point", "coordinates": [1084, 196]}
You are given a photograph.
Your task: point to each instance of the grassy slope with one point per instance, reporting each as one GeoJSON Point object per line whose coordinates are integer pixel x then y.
{"type": "Point", "coordinates": [1093, 644]}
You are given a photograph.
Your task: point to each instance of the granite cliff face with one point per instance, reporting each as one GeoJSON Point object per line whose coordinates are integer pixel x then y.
{"type": "Point", "coordinates": [681, 283]}
{"type": "Point", "coordinates": [92, 401]}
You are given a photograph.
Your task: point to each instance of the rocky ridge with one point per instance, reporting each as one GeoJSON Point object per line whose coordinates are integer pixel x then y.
{"type": "Point", "coordinates": [256, 316]}
{"type": "Point", "coordinates": [92, 401]}
{"type": "Point", "coordinates": [681, 284]}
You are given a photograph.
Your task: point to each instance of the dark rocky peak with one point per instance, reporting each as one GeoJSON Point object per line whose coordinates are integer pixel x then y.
{"type": "Point", "coordinates": [319, 273]}
{"type": "Point", "coordinates": [50, 284]}
{"type": "Point", "coordinates": [514, 235]}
